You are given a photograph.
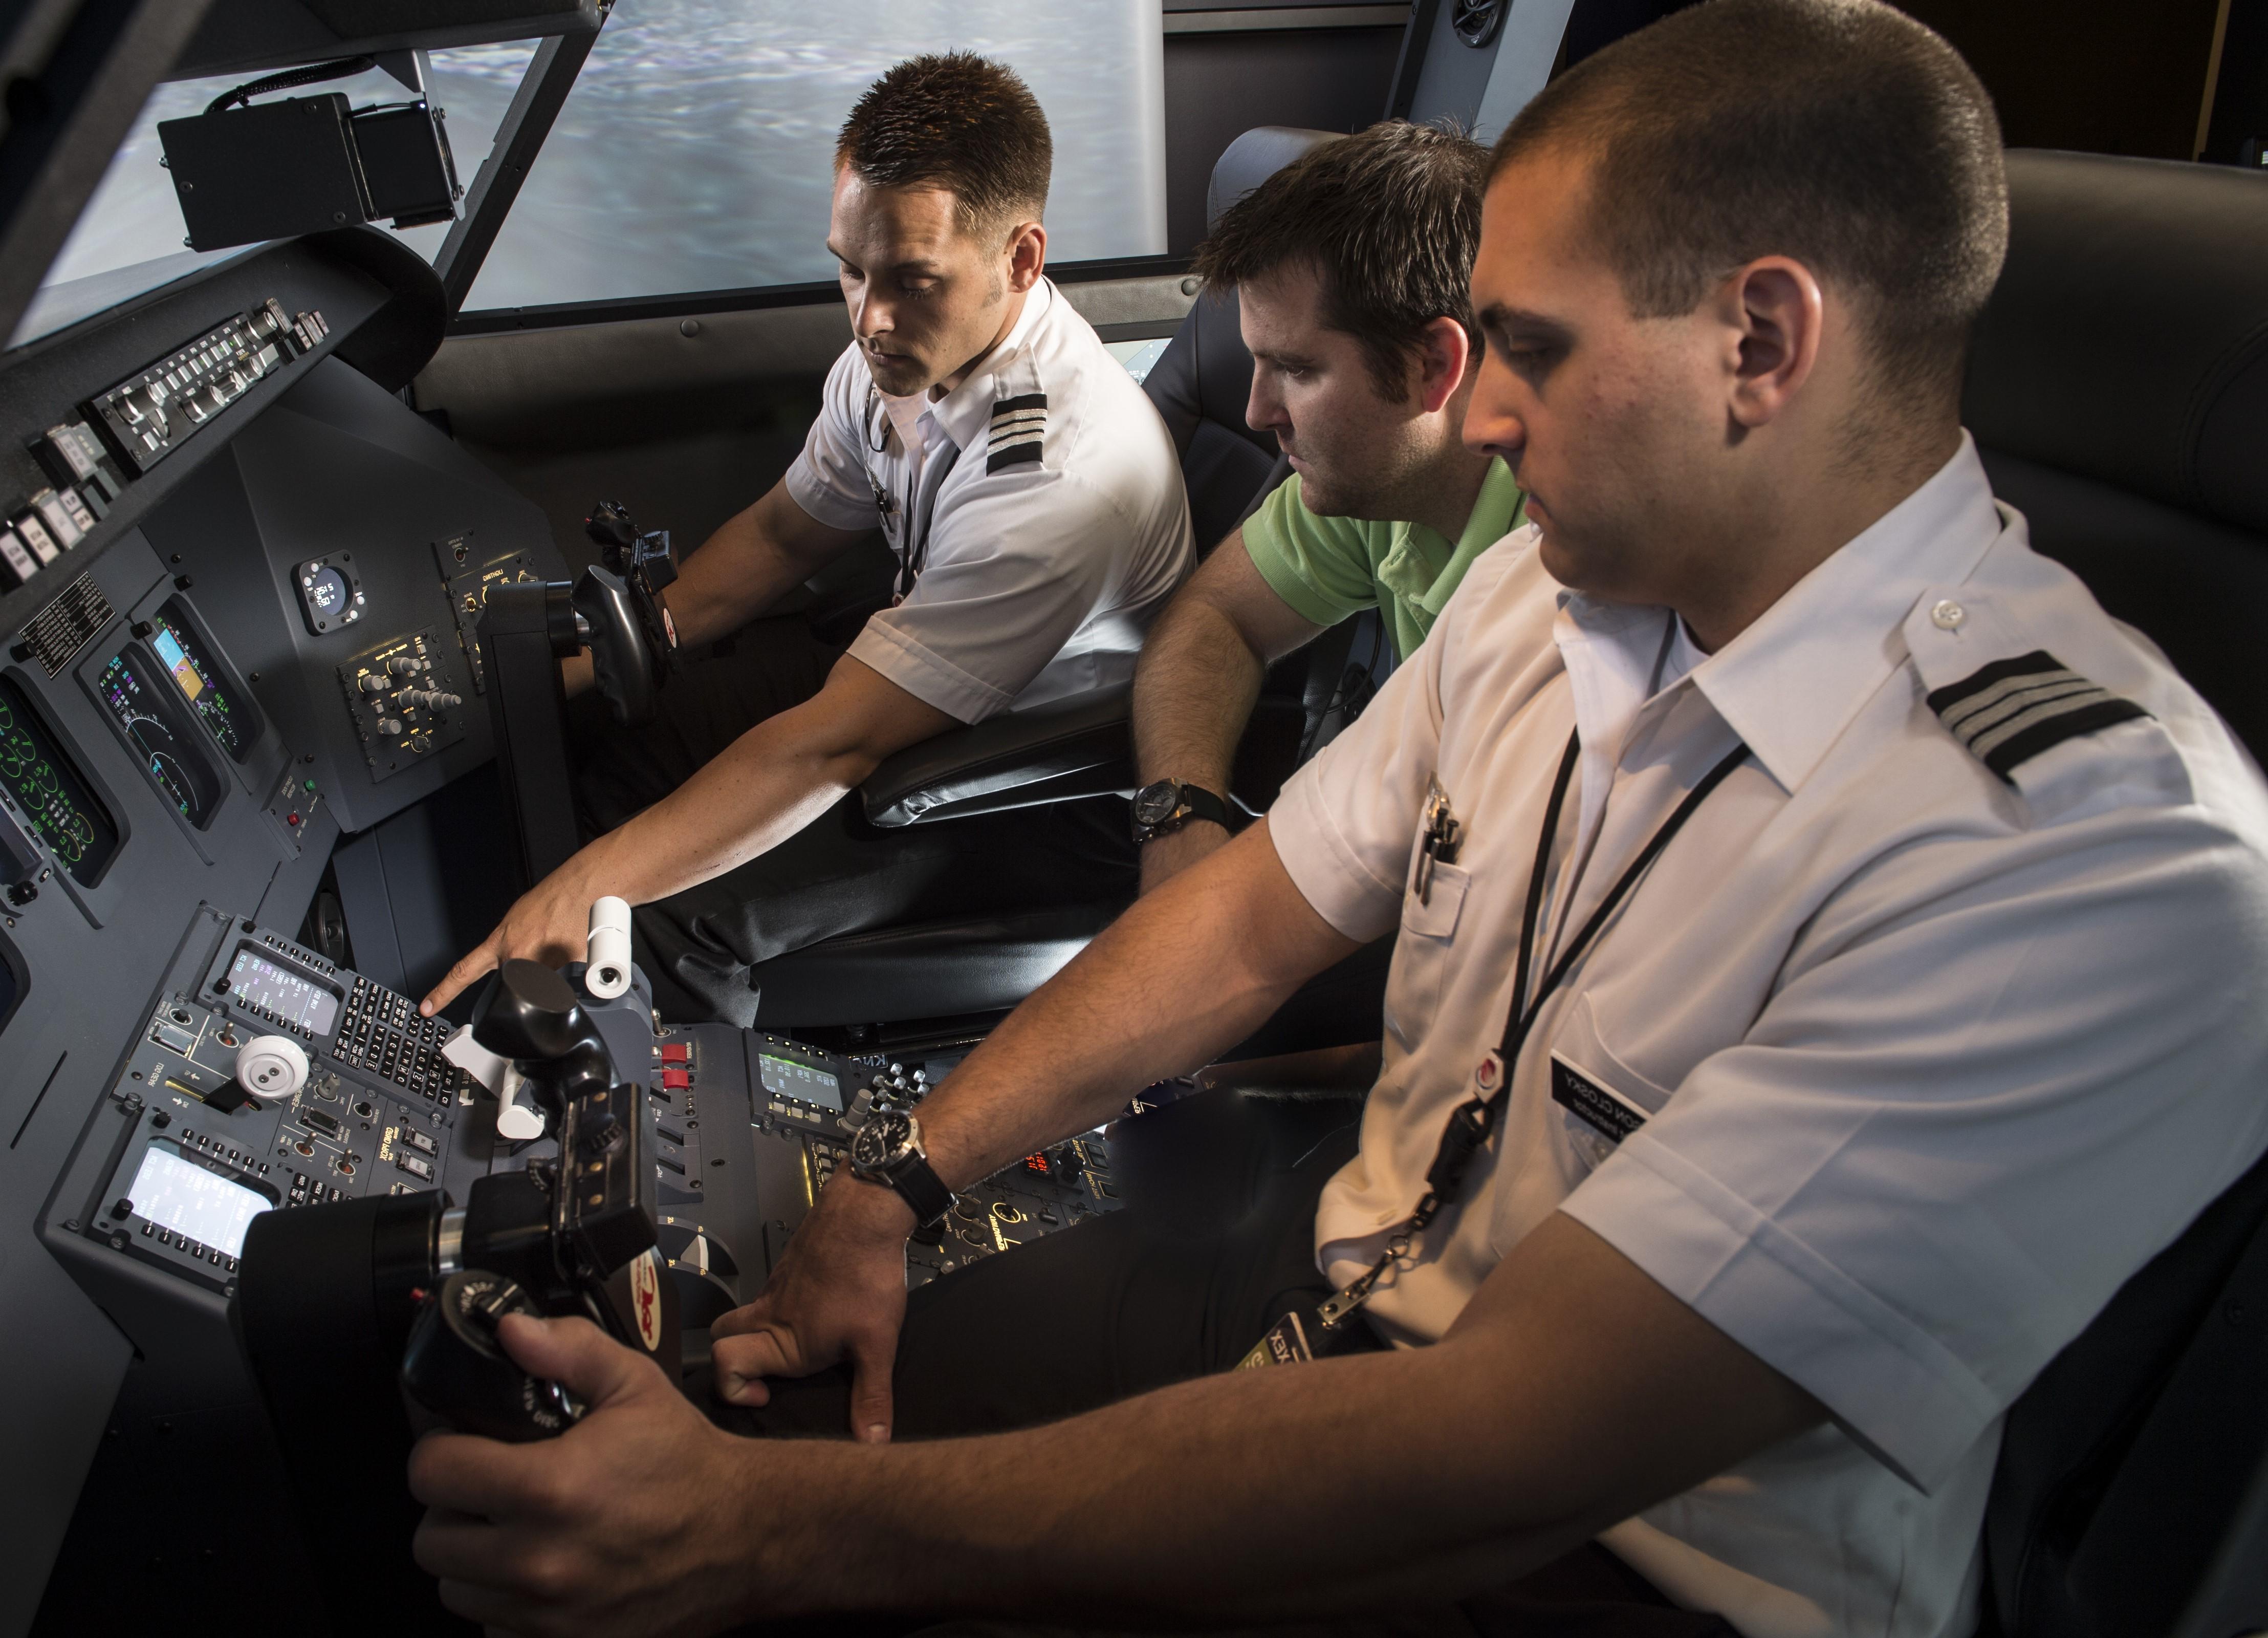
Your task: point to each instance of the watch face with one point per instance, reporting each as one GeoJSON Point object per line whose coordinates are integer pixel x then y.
{"type": "Point", "coordinates": [881, 1139]}
{"type": "Point", "coordinates": [1154, 804]}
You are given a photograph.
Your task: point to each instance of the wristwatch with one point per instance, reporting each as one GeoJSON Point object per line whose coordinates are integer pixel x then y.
{"type": "Point", "coordinates": [1164, 808]}
{"type": "Point", "coordinates": [887, 1150]}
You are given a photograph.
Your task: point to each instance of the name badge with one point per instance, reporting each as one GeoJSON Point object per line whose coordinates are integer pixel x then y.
{"type": "Point", "coordinates": [1603, 1110]}
{"type": "Point", "coordinates": [1285, 1344]}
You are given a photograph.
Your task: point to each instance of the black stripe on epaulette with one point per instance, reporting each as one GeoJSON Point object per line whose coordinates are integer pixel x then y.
{"type": "Point", "coordinates": [1018, 425]}
{"type": "Point", "coordinates": [2007, 713]}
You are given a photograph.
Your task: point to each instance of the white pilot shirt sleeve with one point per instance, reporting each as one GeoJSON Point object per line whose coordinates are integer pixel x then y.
{"type": "Point", "coordinates": [1017, 562]}
{"type": "Point", "coordinates": [829, 479]}
{"type": "Point", "coordinates": [1892, 1189]}
{"type": "Point", "coordinates": [1344, 825]}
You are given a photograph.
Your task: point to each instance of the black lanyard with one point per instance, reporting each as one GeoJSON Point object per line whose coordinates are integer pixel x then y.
{"type": "Point", "coordinates": [919, 508]}
{"type": "Point", "coordinates": [1471, 1121]}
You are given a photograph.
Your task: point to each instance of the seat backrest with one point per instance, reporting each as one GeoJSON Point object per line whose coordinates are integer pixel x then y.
{"type": "Point", "coordinates": [2118, 389]}
{"type": "Point", "coordinates": [1202, 380]}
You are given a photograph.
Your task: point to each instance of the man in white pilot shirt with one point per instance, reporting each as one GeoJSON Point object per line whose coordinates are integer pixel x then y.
{"type": "Point", "coordinates": [1936, 1019]}
{"type": "Point", "coordinates": [1034, 503]}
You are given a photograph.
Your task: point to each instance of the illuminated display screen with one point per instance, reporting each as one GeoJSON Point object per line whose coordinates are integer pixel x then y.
{"type": "Point", "coordinates": [194, 674]}
{"type": "Point", "coordinates": [784, 1077]}
{"type": "Point", "coordinates": [174, 770]}
{"type": "Point", "coordinates": [67, 817]}
{"type": "Point", "coordinates": [180, 1195]}
{"type": "Point", "coordinates": [326, 591]}
{"type": "Point", "coordinates": [255, 981]}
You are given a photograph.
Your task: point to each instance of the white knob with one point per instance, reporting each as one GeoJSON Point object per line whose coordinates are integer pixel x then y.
{"type": "Point", "coordinates": [271, 1067]}
{"type": "Point", "coordinates": [607, 973]}
{"type": "Point", "coordinates": [517, 1118]}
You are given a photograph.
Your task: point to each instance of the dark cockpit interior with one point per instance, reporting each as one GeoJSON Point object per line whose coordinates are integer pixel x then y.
{"type": "Point", "coordinates": [294, 531]}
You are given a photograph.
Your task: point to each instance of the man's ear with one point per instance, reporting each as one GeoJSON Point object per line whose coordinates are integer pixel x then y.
{"type": "Point", "coordinates": [1774, 314]}
{"type": "Point", "coordinates": [1027, 255]}
{"type": "Point", "coordinates": [1445, 356]}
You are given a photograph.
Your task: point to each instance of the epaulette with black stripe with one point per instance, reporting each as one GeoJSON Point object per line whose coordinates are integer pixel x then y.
{"type": "Point", "coordinates": [2010, 712]}
{"type": "Point", "coordinates": [1018, 425]}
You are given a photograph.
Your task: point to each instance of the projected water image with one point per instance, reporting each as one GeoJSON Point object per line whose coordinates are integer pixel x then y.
{"type": "Point", "coordinates": [695, 151]}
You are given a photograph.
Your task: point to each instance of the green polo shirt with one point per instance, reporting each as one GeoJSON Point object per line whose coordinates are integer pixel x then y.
{"type": "Point", "coordinates": [1329, 568]}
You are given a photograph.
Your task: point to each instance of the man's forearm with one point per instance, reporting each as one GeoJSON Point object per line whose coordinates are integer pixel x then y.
{"type": "Point", "coordinates": [753, 559]}
{"type": "Point", "coordinates": [1194, 691]}
{"type": "Point", "coordinates": [1409, 1476]}
{"type": "Point", "coordinates": [761, 789]}
{"type": "Point", "coordinates": [1188, 972]}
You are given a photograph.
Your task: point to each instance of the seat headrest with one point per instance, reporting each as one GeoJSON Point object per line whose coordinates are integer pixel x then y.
{"type": "Point", "coordinates": [1252, 159]}
{"type": "Point", "coordinates": [2127, 340]}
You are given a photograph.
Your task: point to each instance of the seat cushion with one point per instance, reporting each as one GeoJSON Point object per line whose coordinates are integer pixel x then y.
{"type": "Point", "coordinates": [925, 969]}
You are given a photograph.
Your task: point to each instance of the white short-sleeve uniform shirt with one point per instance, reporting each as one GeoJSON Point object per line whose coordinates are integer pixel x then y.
{"type": "Point", "coordinates": [1037, 510]}
{"type": "Point", "coordinates": [1939, 1018]}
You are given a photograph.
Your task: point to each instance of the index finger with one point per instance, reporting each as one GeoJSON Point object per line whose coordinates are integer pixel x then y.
{"type": "Point", "coordinates": [479, 963]}
{"type": "Point", "coordinates": [487, 1478]}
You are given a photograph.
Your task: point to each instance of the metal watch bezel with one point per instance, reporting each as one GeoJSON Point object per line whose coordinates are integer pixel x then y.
{"type": "Point", "coordinates": [1146, 800]}
{"type": "Point", "coordinates": [904, 1143]}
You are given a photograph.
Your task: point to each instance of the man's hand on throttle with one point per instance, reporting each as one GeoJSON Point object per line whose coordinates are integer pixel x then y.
{"type": "Point", "coordinates": [1171, 854]}
{"type": "Point", "coordinates": [839, 1292]}
{"type": "Point", "coordinates": [636, 1520]}
{"type": "Point", "coordinates": [551, 924]}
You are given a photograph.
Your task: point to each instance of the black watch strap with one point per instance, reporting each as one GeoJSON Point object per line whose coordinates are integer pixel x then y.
{"type": "Point", "coordinates": [920, 1187]}
{"type": "Point", "coordinates": [1202, 804]}
{"type": "Point", "coordinates": [1191, 801]}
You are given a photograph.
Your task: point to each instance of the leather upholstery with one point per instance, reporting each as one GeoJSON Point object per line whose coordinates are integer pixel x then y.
{"type": "Point", "coordinates": [934, 970]}
{"type": "Point", "coordinates": [1074, 747]}
{"type": "Point", "coordinates": [2128, 336]}
{"type": "Point", "coordinates": [1252, 159]}
{"type": "Point", "coordinates": [2118, 389]}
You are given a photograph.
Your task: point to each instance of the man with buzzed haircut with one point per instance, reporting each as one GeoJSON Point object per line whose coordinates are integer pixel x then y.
{"type": "Point", "coordinates": [1827, 969]}
{"type": "Point", "coordinates": [1034, 504]}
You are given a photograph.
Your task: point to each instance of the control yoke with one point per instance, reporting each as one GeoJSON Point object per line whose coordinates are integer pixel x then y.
{"type": "Point", "coordinates": [526, 628]}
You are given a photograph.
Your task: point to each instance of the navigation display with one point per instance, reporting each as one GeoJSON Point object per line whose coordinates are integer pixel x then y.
{"type": "Point", "coordinates": [256, 982]}
{"type": "Point", "coordinates": [178, 772]}
{"type": "Point", "coordinates": [807, 1083]}
{"type": "Point", "coordinates": [73, 824]}
{"type": "Point", "coordinates": [198, 678]}
{"type": "Point", "coordinates": [202, 1206]}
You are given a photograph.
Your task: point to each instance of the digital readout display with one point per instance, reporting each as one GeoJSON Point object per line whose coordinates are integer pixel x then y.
{"type": "Point", "coordinates": [807, 1083]}
{"type": "Point", "coordinates": [194, 674]}
{"type": "Point", "coordinates": [58, 804]}
{"type": "Point", "coordinates": [256, 982]}
{"type": "Point", "coordinates": [194, 1202]}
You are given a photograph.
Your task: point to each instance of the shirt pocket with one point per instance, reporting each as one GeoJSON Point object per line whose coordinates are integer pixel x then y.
{"type": "Point", "coordinates": [1599, 1099]}
{"type": "Point", "coordinates": [1423, 954]}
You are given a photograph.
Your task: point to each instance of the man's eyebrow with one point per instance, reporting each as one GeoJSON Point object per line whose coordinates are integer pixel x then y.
{"type": "Point", "coordinates": [1520, 321]}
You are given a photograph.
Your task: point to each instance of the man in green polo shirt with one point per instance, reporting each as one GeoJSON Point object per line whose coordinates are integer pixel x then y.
{"type": "Point", "coordinates": [1351, 267]}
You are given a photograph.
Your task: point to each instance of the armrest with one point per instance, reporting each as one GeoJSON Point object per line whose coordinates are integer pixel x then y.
{"type": "Point", "coordinates": [1052, 753]}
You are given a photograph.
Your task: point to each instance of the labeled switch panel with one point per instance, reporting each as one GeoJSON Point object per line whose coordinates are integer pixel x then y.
{"type": "Point", "coordinates": [149, 416]}
{"type": "Point", "coordinates": [466, 578]}
{"type": "Point", "coordinates": [404, 702]}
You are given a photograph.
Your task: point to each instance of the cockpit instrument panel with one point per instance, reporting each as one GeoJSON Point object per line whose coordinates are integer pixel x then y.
{"type": "Point", "coordinates": [232, 725]}
{"type": "Point", "coordinates": [145, 717]}
{"type": "Point", "coordinates": [76, 827]}
{"type": "Point", "coordinates": [267, 990]}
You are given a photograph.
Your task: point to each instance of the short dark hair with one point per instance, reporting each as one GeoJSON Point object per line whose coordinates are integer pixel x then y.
{"type": "Point", "coordinates": [1388, 218]}
{"type": "Point", "coordinates": [957, 122]}
{"type": "Point", "coordinates": [1841, 133]}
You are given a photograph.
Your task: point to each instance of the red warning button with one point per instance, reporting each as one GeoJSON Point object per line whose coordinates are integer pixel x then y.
{"type": "Point", "coordinates": [676, 1051]}
{"type": "Point", "coordinates": [673, 1080]}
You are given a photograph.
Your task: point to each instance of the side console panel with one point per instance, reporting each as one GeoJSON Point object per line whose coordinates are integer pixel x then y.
{"type": "Point", "coordinates": [342, 492]}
